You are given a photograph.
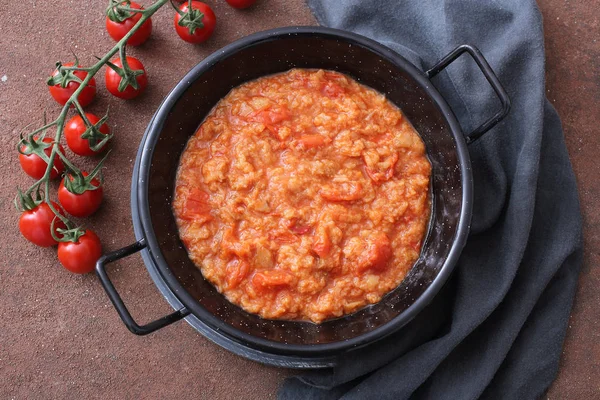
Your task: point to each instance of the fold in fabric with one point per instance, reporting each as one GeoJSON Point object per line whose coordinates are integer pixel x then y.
{"type": "Point", "coordinates": [497, 328]}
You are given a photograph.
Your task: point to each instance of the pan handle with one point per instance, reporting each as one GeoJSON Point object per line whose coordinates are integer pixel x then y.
{"type": "Point", "coordinates": [491, 78]}
{"type": "Point", "coordinates": [118, 302]}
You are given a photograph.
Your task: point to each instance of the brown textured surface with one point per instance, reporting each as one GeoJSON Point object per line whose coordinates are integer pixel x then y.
{"type": "Point", "coordinates": [61, 338]}
{"type": "Point", "coordinates": [573, 86]}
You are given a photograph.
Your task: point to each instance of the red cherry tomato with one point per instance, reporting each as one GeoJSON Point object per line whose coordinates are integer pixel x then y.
{"type": "Point", "coordinates": [80, 205]}
{"type": "Point", "coordinates": [35, 167]}
{"type": "Point", "coordinates": [35, 224]}
{"type": "Point", "coordinates": [113, 79]}
{"type": "Point", "coordinates": [62, 94]}
{"type": "Point", "coordinates": [117, 30]}
{"type": "Point", "coordinates": [199, 34]}
{"type": "Point", "coordinates": [75, 127]}
{"type": "Point", "coordinates": [240, 4]}
{"type": "Point", "coordinates": [80, 257]}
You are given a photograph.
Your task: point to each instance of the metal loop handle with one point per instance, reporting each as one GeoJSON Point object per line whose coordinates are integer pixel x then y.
{"type": "Point", "coordinates": [491, 77]}
{"type": "Point", "coordinates": [118, 302]}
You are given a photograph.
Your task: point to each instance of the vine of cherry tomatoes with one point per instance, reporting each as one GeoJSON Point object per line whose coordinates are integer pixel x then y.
{"type": "Point", "coordinates": [44, 222]}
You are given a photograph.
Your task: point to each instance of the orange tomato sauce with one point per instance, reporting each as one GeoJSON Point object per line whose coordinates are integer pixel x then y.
{"type": "Point", "coordinates": [303, 195]}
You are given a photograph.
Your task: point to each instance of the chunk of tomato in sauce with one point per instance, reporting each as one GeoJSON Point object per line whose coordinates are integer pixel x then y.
{"type": "Point", "coordinates": [380, 174]}
{"type": "Point", "coordinates": [312, 141]}
{"type": "Point", "coordinates": [283, 237]}
{"type": "Point", "coordinates": [236, 271]}
{"type": "Point", "coordinates": [197, 206]}
{"type": "Point", "coordinates": [298, 227]}
{"type": "Point", "coordinates": [271, 279]}
{"type": "Point", "coordinates": [273, 115]}
{"type": "Point", "coordinates": [322, 242]}
{"type": "Point", "coordinates": [347, 191]}
{"type": "Point", "coordinates": [289, 235]}
{"type": "Point", "coordinates": [331, 86]}
{"type": "Point", "coordinates": [377, 254]}
{"type": "Point", "coordinates": [230, 245]}
{"type": "Point", "coordinates": [272, 118]}
{"type": "Point", "coordinates": [332, 90]}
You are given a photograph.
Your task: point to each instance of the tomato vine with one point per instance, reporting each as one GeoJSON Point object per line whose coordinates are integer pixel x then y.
{"type": "Point", "coordinates": [36, 143]}
{"type": "Point", "coordinates": [43, 221]}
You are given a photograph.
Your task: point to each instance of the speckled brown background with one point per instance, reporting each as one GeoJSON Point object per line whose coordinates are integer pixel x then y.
{"type": "Point", "coordinates": [59, 335]}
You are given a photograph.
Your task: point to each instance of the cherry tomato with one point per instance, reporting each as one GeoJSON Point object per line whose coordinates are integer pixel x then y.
{"type": "Point", "coordinates": [62, 94]}
{"type": "Point", "coordinates": [199, 35]}
{"type": "Point", "coordinates": [35, 167]}
{"type": "Point", "coordinates": [117, 30]}
{"type": "Point", "coordinates": [35, 224]}
{"type": "Point", "coordinates": [113, 79]}
{"type": "Point", "coordinates": [80, 205]}
{"type": "Point", "coordinates": [240, 4]}
{"type": "Point", "coordinates": [75, 127]}
{"type": "Point", "coordinates": [80, 257]}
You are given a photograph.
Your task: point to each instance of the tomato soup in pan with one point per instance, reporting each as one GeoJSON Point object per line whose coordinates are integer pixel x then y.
{"type": "Point", "coordinates": [303, 196]}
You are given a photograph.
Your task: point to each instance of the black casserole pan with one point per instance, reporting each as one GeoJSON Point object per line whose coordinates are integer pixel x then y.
{"type": "Point", "coordinates": [266, 53]}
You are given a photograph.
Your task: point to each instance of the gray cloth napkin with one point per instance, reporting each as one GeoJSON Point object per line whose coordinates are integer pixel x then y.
{"type": "Point", "coordinates": [497, 329]}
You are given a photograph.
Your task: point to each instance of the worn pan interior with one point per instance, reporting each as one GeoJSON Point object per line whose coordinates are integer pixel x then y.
{"type": "Point", "coordinates": [278, 51]}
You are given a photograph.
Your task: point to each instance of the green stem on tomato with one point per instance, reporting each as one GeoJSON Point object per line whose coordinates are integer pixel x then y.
{"type": "Point", "coordinates": [64, 219]}
{"type": "Point", "coordinates": [43, 128]}
{"type": "Point", "coordinates": [133, 10]}
{"type": "Point", "coordinates": [82, 113]}
{"type": "Point", "coordinates": [75, 68]}
{"type": "Point", "coordinates": [68, 164]}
